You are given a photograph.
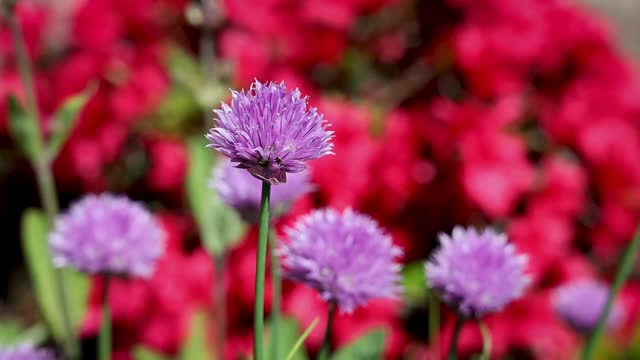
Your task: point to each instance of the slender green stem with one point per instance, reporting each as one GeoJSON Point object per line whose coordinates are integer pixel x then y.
{"type": "Point", "coordinates": [453, 348]}
{"type": "Point", "coordinates": [486, 341]}
{"type": "Point", "coordinates": [434, 323]}
{"type": "Point", "coordinates": [325, 350]}
{"type": "Point", "coordinates": [104, 339]}
{"type": "Point", "coordinates": [626, 266]}
{"type": "Point", "coordinates": [43, 171]}
{"type": "Point", "coordinates": [261, 264]}
{"type": "Point", "coordinates": [276, 283]}
{"type": "Point", "coordinates": [220, 304]}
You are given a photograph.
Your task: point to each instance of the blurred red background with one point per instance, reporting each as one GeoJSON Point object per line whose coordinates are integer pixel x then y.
{"type": "Point", "coordinates": [518, 113]}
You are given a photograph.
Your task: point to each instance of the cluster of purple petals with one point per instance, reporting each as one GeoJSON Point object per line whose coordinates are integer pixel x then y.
{"type": "Point", "coordinates": [476, 272]}
{"type": "Point", "coordinates": [241, 191]}
{"type": "Point", "coordinates": [269, 131]}
{"type": "Point", "coordinates": [107, 234]}
{"type": "Point", "coordinates": [345, 255]}
{"type": "Point", "coordinates": [25, 352]}
{"type": "Point", "coordinates": [580, 304]}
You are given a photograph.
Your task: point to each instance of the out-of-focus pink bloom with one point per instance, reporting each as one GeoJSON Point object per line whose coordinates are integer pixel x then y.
{"type": "Point", "coordinates": [168, 159]}
{"type": "Point", "coordinates": [495, 171]}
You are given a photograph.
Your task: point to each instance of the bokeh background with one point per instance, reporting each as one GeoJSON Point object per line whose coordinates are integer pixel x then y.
{"type": "Point", "coordinates": [522, 114]}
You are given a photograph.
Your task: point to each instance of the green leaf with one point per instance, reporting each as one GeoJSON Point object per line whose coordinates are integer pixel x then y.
{"type": "Point", "coordinates": [36, 251]}
{"type": "Point", "coordinates": [368, 347]}
{"type": "Point", "coordinates": [65, 118]}
{"type": "Point", "coordinates": [10, 330]}
{"type": "Point", "coordinates": [301, 339]}
{"type": "Point", "coordinates": [78, 286]}
{"type": "Point", "coordinates": [195, 346]}
{"type": "Point", "coordinates": [413, 281]}
{"type": "Point", "coordinates": [143, 353]}
{"type": "Point", "coordinates": [288, 333]}
{"type": "Point", "coordinates": [23, 129]}
{"type": "Point", "coordinates": [220, 227]}
{"type": "Point", "coordinates": [38, 258]}
{"type": "Point", "coordinates": [184, 68]}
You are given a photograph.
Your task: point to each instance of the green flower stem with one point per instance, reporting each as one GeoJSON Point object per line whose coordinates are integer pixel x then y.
{"type": "Point", "coordinates": [453, 348]}
{"type": "Point", "coordinates": [43, 171]}
{"type": "Point", "coordinates": [626, 266]}
{"type": "Point", "coordinates": [258, 309]}
{"type": "Point", "coordinates": [220, 303]}
{"type": "Point", "coordinates": [276, 281]}
{"type": "Point", "coordinates": [104, 338]}
{"type": "Point", "coordinates": [325, 350]}
{"type": "Point", "coordinates": [434, 323]}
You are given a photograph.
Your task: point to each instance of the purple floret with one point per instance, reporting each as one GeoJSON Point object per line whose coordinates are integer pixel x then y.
{"type": "Point", "coordinates": [269, 131]}
{"type": "Point", "coordinates": [475, 272]}
{"type": "Point", "coordinates": [581, 302]}
{"type": "Point", "coordinates": [242, 191]}
{"type": "Point", "coordinates": [107, 234]}
{"type": "Point", "coordinates": [345, 255]}
{"type": "Point", "coordinates": [25, 352]}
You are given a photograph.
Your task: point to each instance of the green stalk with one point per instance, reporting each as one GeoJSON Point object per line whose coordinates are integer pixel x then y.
{"type": "Point", "coordinates": [104, 338]}
{"type": "Point", "coordinates": [276, 283]}
{"type": "Point", "coordinates": [325, 350]}
{"type": "Point", "coordinates": [220, 303]}
{"type": "Point", "coordinates": [43, 171]}
{"type": "Point", "coordinates": [258, 309]}
{"type": "Point", "coordinates": [434, 322]}
{"type": "Point", "coordinates": [626, 266]}
{"type": "Point", "coordinates": [453, 348]}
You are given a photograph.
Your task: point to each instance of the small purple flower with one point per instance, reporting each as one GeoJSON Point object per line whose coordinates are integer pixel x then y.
{"type": "Point", "coordinates": [242, 191]}
{"type": "Point", "coordinates": [581, 302]}
{"type": "Point", "coordinates": [269, 131]}
{"type": "Point", "coordinates": [25, 352]}
{"type": "Point", "coordinates": [107, 234]}
{"type": "Point", "coordinates": [476, 273]}
{"type": "Point", "coordinates": [345, 256]}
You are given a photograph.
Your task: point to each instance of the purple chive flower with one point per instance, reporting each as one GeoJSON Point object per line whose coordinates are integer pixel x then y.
{"type": "Point", "coordinates": [581, 302]}
{"type": "Point", "coordinates": [476, 273]}
{"type": "Point", "coordinates": [25, 352]}
{"type": "Point", "coordinates": [242, 191]}
{"type": "Point", "coordinates": [269, 131]}
{"type": "Point", "coordinates": [345, 256]}
{"type": "Point", "coordinates": [107, 234]}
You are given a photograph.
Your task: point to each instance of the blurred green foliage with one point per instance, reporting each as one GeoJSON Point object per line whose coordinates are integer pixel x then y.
{"type": "Point", "coordinates": [40, 265]}
{"type": "Point", "coordinates": [220, 227]}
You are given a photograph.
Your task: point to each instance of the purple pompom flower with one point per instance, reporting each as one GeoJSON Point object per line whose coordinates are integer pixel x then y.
{"type": "Point", "coordinates": [25, 352]}
{"type": "Point", "coordinates": [345, 256]}
{"type": "Point", "coordinates": [269, 131]}
{"type": "Point", "coordinates": [581, 302]}
{"type": "Point", "coordinates": [242, 191]}
{"type": "Point", "coordinates": [107, 234]}
{"type": "Point", "coordinates": [476, 273]}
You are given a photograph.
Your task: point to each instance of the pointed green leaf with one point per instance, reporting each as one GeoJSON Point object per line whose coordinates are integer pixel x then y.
{"type": "Point", "coordinates": [36, 251]}
{"type": "Point", "coordinates": [368, 347]}
{"type": "Point", "coordinates": [296, 347]}
{"type": "Point", "coordinates": [143, 353]}
{"type": "Point", "coordinates": [288, 333]}
{"type": "Point", "coordinates": [38, 258]}
{"type": "Point", "coordinates": [195, 346]}
{"type": "Point", "coordinates": [23, 129]}
{"type": "Point", "coordinates": [65, 118]}
{"type": "Point", "coordinates": [220, 227]}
